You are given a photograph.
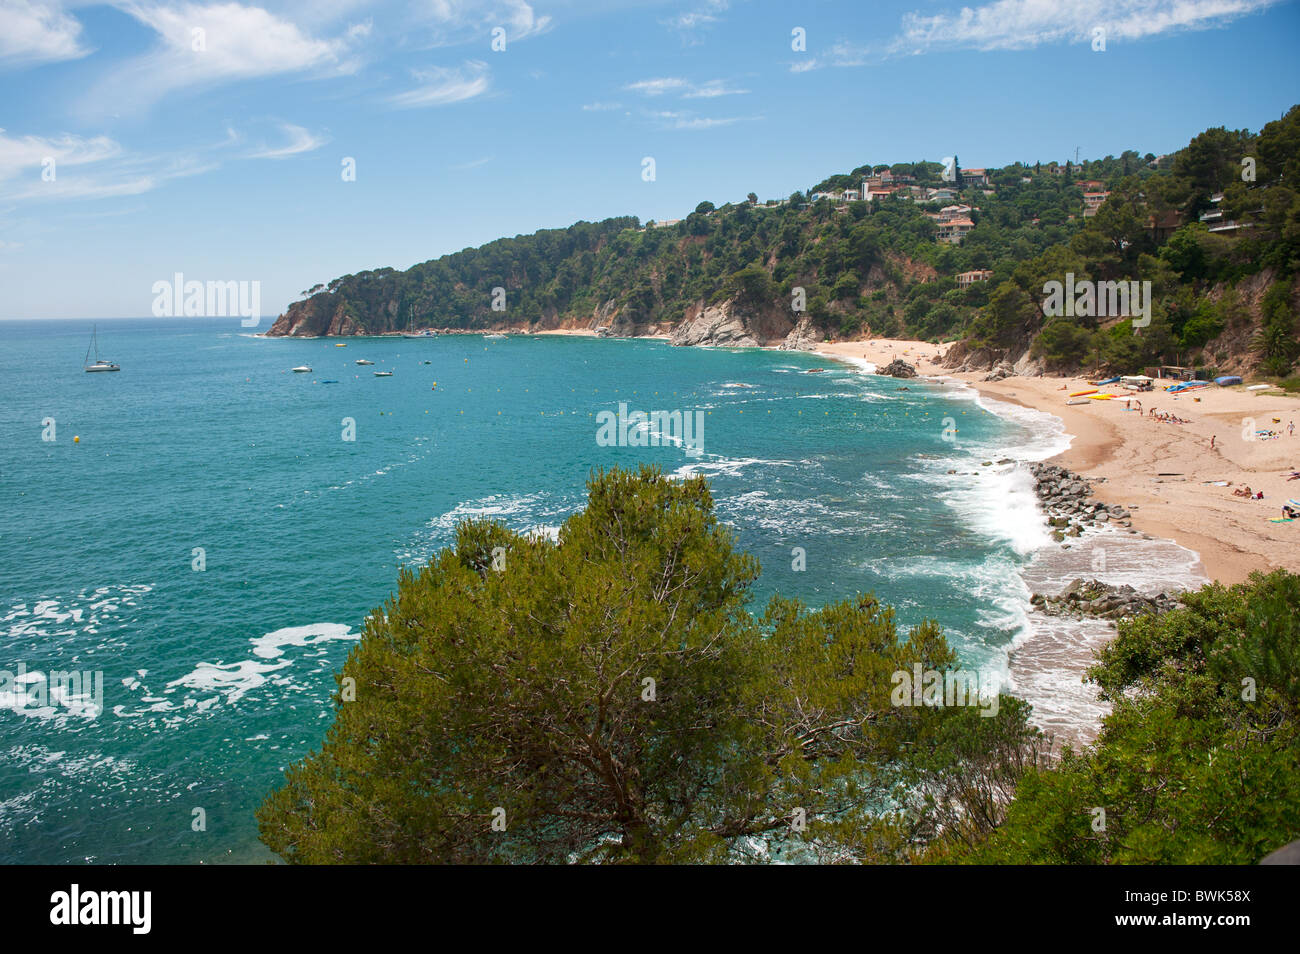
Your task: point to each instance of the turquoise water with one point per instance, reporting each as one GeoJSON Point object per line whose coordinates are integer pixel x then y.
{"type": "Point", "coordinates": [214, 680]}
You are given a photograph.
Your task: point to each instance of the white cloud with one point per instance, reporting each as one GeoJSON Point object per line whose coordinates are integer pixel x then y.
{"type": "Point", "coordinates": [703, 15]}
{"type": "Point", "coordinates": [207, 44]}
{"type": "Point", "coordinates": [657, 87]}
{"type": "Point", "coordinates": [37, 31]}
{"type": "Point", "coordinates": [83, 168]}
{"type": "Point", "coordinates": [670, 119]}
{"type": "Point", "coordinates": [299, 141]}
{"type": "Point", "coordinates": [1022, 24]}
{"type": "Point", "coordinates": [600, 107]}
{"type": "Point", "coordinates": [460, 21]}
{"type": "Point", "coordinates": [442, 85]}
{"type": "Point", "coordinates": [687, 89]}
{"type": "Point", "coordinates": [30, 152]}
{"type": "Point", "coordinates": [472, 164]}
{"type": "Point", "coordinates": [714, 88]}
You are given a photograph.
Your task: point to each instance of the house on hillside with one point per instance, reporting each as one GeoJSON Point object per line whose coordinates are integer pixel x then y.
{"type": "Point", "coordinates": [966, 279]}
{"type": "Point", "coordinates": [1092, 202]}
{"type": "Point", "coordinates": [1215, 222]}
{"type": "Point", "coordinates": [953, 231]}
{"type": "Point", "coordinates": [1161, 225]}
{"type": "Point", "coordinates": [974, 177]}
{"type": "Point", "coordinates": [950, 212]}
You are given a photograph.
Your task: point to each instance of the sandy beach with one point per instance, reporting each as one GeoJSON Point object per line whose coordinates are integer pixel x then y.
{"type": "Point", "coordinates": [1166, 473]}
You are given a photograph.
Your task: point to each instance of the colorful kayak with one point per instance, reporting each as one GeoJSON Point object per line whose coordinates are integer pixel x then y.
{"type": "Point", "coordinates": [1100, 397]}
{"type": "Point", "coordinates": [1082, 393]}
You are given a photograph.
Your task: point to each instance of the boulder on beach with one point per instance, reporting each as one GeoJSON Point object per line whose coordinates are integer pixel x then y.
{"type": "Point", "coordinates": [898, 368]}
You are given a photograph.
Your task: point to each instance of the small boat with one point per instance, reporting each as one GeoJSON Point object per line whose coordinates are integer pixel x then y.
{"type": "Point", "coordinates": [494, 336]}
{"type": "Point", "coordinates": [364, 361]}
{"type": "Point", "coordinates": [383, 374]}
{"type": "Point", "coordinates": [341, 345]}
{"type": "Point", "coordinates": [302, 369]}
{"type": "Point", "coordinates": [99, 364]}
{"type": "Point", "coordinates": [329, 382]}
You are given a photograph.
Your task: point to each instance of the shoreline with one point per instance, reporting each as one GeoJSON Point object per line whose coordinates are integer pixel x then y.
{"type": "Point", "coordinates": [1162, 471]}
{"type": "Point", "coordinates": [1182, 530]}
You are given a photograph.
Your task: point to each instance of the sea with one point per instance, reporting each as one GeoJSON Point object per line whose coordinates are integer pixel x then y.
{"type": "Point", "coordinates": [206, 530]}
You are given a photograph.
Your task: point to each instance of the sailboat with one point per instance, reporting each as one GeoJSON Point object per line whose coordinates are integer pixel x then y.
{"type": "Point", "coordinates": [99, 364]}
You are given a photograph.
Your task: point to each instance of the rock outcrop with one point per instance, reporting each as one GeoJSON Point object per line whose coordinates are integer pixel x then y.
{"type": "Point", "coordinates": [313, 318]}
{"type": "Point", "coordinates": [1067, 498]}
{"type": "Point", "coordinates": [1001, 371]}
{"type": "Point", "coordinates": [729, 325]}
{"type": "Point", "coordinates": [898, 368]}
{"type": "Point", "coordinates": [804, 337]}
{"type": "Point", "coordinates": [1095, 598]}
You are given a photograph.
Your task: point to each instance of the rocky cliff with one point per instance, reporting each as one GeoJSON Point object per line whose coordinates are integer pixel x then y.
{"type": "Point", "coordinates": [729, 324]}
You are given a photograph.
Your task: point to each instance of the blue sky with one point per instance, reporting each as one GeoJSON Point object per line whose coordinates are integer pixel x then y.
{"type": "Point", "coordinates": [224, 162]}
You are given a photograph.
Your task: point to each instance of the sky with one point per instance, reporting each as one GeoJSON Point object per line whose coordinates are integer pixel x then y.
{"type": "Point", "coordinates": [142, 138]}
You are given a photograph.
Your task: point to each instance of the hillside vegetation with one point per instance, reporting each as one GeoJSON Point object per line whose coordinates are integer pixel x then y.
{"type": "Point", "coordinates": [1220, 298]}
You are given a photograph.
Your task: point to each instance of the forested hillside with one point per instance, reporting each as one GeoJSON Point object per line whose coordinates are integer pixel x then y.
{"type": "Point", "coordinates": [1224, 297]}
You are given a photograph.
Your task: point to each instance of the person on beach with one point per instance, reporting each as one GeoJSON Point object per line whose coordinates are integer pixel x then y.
{"type": "Point", "coordinates": [1290, 428]}
{"type": "Point", "coordinates": [1211, 442]}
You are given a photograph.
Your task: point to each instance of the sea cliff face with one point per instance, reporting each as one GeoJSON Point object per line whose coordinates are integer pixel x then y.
{"type": "Point", "coordinates": [728, 324]}
{"type": "Point", "coordinates": [319, 316]}
{"type": "Point", "coordinates": [723, 324]}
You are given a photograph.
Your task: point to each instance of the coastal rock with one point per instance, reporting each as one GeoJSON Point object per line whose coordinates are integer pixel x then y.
{"type": "Point", "coordinates": [1095, 598]}
{"type": "Point", "coordinates": [729, 325]}
{"type": "Point", "coordinates": [898, 368]}
{"type": "Point", "coordinates": [804, 337]}
{"type": "Point", "coordinates": [313, 318]}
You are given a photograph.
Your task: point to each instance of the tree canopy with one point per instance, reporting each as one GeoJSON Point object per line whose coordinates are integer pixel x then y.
{"type": "Point", "coordinates": [607, 697]}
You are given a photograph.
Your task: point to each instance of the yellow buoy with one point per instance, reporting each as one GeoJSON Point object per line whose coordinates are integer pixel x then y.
{"type": "Point", "coordinates": [76, 439]}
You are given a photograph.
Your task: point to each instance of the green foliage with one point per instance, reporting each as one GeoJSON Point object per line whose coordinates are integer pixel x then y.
{"type": "Point", "coordinates": [1063, 342]}
{"type": "Point", "coordinates": [1276, 338]}
{"type": "Point", "coordinates": [1199, 762]}
{"type": "Point", "coordinates": [611, 695]}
